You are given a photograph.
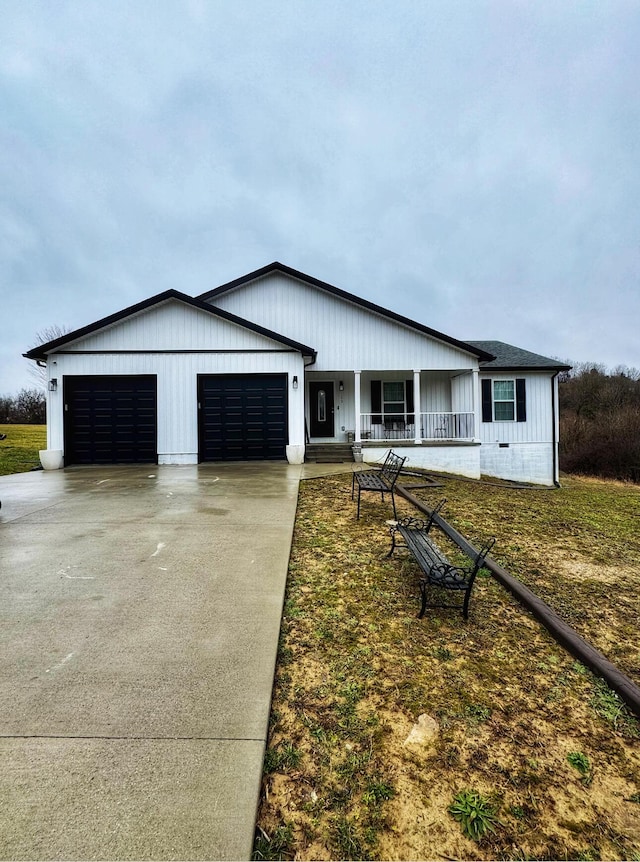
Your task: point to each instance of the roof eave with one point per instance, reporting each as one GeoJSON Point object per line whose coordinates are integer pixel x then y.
{"type": "Point", "coordinates": [41, 352]}
{"type": "Point", "coordinates": [523, 368]}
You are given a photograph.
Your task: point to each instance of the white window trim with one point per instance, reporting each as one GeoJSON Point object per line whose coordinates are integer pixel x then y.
{"type": "Point", "coordinates": [495, 400]}
{"type": "Point", "coordinates": [402, 412]}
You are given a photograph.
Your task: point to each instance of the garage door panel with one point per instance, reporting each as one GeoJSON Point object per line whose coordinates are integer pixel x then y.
{"type": "Point", "coordinates": [243, 418]}
{"type": "Point", "coordinates": [110, 420]}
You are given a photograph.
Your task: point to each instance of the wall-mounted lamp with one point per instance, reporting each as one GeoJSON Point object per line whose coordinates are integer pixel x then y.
{"type": "Point", "coordinates": [295, 381]}
{"type": "Point", "coordinates": [53, 384]}
{"type": "Point", "coordinates": [341, 386]}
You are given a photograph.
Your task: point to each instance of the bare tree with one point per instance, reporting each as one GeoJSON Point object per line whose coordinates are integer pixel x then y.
{"type": "Point", "coordinates": [26, 408]}
{"type": "Point", "coordinates": [37, 373]}
{"type": "Point", "coordinates": [600, 421]}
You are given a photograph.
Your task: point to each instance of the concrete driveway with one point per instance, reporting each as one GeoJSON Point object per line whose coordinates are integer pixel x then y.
{"type": "Point", "coordinates": [138, 635]}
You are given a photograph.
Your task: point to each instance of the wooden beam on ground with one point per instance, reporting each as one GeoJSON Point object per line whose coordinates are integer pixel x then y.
{"type": "Point", "coordinates": [563, 633]}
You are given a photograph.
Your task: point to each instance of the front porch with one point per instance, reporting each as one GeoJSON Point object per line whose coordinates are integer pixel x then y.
{"type": "Point", "coordinates": [418, 407]}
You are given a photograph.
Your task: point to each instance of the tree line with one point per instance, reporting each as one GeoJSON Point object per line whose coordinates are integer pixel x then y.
{"type": "Point", "coordinates": [600, 421]}
{"type": "Point", "coordinates": [28, 407]}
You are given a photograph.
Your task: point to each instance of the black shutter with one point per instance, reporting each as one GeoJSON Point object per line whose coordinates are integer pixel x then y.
{"type": "Point", "coordinates": [487, 406]}
{"type": "Point", "coordinates": [521, 400]}
{"type": "Point", "coordinates": [376, 402]}
{"type": "Point", "coordinates": [410, 407]}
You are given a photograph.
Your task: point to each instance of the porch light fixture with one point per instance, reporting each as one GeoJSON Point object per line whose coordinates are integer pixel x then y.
{"type": "Point", "coordinates": [341, 386]}
{"type": "Point", "coordinates": [295, 381]}
{"type": "Point", "coordinates": [53, 384]}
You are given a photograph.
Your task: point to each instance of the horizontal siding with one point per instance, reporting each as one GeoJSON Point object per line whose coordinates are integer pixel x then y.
{"type": "Point", "coordinates": [345, 335]}
{"type": "Point", "coordinates": [175, 326]}
{"type": "Point", "coordinates": [539, 425]}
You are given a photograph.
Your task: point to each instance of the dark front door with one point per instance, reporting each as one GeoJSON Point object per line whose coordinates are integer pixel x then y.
{"type": "Point", "coordinates": [321, 409]}
{"type": "Point", "coordinates": [243, 417]}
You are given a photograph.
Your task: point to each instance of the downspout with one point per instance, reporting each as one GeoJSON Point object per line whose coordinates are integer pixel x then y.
{"type": "Point", "coordinates": [555, 437]}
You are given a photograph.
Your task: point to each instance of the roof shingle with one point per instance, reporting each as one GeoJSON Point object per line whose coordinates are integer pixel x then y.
{"type": "Point", "coordinates": [508, 357]}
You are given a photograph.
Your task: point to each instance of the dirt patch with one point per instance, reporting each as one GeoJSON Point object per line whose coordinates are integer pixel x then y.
{"type": "Point", "coordinates": [552, 752]}
{"type": "Point", "coordinates": [585, 571]}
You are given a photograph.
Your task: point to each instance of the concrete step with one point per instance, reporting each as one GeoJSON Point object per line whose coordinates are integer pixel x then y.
{"type": "Point", "coordinates": [328, 453]}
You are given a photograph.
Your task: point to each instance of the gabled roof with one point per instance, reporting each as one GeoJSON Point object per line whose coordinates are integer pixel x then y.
{"type": "Point", "coordinates": [508, 357]}
{"type": "Point", "coordinates": [468, 347]}
{"type": "Point", "coordinates": [42, 350]}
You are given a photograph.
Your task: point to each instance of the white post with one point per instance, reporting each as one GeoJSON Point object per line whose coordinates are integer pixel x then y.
{"type": "Point", "coordinates": [296, 447]}
{"type": "Point", "coordinates": [356, 404]}
{"type": "Point", "coordinates": [476, 403]}
{"type": "Point", "coordinates": [417, 406]}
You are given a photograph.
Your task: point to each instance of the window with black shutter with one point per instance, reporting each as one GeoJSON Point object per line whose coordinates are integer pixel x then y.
{"type": "Point", "coordinates": [504, 400]}
{"type": "Point", "coordinates": [391, 398]}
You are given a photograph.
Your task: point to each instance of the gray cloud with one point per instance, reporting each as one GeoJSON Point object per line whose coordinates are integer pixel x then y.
{"type": "Point", "coordinates": [471, 165]}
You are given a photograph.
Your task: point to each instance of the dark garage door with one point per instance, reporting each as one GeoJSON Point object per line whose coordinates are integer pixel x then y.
{"type": "Point", "coordinates": [110, 420]}
{"type": "Point", "coordinates": [243, 417]}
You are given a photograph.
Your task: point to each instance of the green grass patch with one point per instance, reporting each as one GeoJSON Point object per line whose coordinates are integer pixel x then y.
{"type": "Point", "coordinates": [274, 846]}
{"type": "Point", "coordinates": [19, 451]}
{"type": "Point", "coordinates": [579, 761]}
{"type": "Point", "coordinates": [475, 814]}
{"type": "Point", "coordinates": [281, 758]}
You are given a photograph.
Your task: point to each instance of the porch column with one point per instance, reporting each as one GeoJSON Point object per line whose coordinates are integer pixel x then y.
{"type": "Point", "coordinates": [356, 405]}
{"type": "Point", "coordinates": [417, 402]}
{"type": "Point", "coordinates": [475, 394]}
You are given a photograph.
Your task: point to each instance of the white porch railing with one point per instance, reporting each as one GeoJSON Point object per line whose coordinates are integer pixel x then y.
{"type": "Point", "coordinates": [447, 426]}
{"type": "Point", "coordinates": [402, 426]}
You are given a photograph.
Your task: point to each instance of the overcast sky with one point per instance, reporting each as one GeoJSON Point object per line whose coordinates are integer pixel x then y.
{"type": "Point", "coordinates": [473, 165]}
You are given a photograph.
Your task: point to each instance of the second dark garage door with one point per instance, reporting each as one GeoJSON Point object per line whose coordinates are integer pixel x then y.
{"type": "Point", "coordinates": [243, 417]}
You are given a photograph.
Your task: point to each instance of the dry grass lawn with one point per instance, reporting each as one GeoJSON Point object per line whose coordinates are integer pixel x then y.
{"type": "Point", "coordinates": [503, 712]}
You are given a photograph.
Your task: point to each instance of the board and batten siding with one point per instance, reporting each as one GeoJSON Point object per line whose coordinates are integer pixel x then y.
{"type": "Point", "coordinates": [462, 394]}
{"type": "Point", "coordinates": [538, 427]}
{"type": "Point", "coordinates": [345, 335]}
{"type": "Point", "coordinates": [435, 391]}
{"type": "Point", "coordinates": [177, 378]}
{"type": "Point", "coordinates": [523, 451]}
{"type": "Point", "coordinates": [172, 325]}
{"type": "Point", "coordinates": [138, 347]}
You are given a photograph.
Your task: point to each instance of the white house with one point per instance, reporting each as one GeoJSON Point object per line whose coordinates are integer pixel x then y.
{"type": "Point", "coordinates": [271, 362]}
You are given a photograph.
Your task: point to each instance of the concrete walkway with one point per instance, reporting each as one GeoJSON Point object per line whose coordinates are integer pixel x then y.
{"type": "Point", "coordinates": [138, 635]}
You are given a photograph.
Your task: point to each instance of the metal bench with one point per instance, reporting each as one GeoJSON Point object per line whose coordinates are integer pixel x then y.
{"type": "Point", "coordinates": [437, 570]}
{"type": "Point", "coordinates": [381, 481]}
